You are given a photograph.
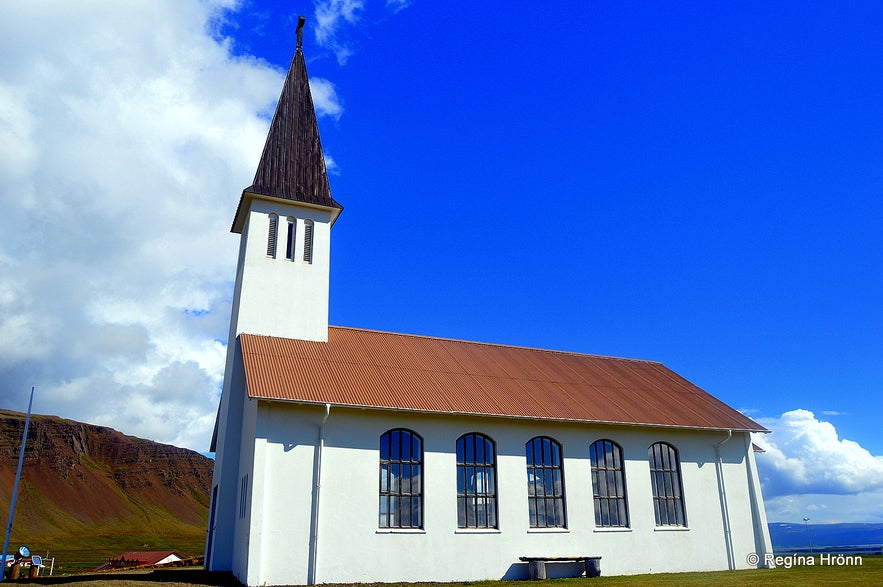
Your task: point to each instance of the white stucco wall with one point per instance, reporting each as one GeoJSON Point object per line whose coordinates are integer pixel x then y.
{"type": "Point", "coordinates": [351, 547]}
{"type": "Point", "coordinates": [281, 297]}
{"type": "Point", "coordinates": [274, 297]}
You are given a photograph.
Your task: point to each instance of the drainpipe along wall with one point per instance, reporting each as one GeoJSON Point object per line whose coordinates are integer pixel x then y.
{"type": "Point", "coordinates": [725, 510]}
{"type": "Point", "coordinates": [314, 546]}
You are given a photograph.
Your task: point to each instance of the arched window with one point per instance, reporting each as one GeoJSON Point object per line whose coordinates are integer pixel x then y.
{"type": "Point", "coordinates": [545, 483]}
{"type": "Point", "coordinates": [608, 484]}
{"type": "Point", "coordinates": [665, 477]}
{"type": "Point", "coordinates": [271, 235]}
{"type": "Point", "coordinates": [289, 240]}
{"type": "Point", "coordinates": [401, 479]}
{"type": "Point", "coordinates": [308, 241]}
{"type": "Point", "coordinates": [476, 482]}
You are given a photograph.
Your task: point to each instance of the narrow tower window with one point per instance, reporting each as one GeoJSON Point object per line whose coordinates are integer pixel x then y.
{"type": "Point", "coordinates": [308, 241]}
{"type": "Point", "coordinates": [271, 235]}
{"type": "Point", "coordinates": [289, 242]}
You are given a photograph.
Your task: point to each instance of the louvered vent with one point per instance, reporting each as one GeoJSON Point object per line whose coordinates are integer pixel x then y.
{"type": "Point", "coordinates": [308, 241]}
{"type": "Point", "coordinates": [271, 236]}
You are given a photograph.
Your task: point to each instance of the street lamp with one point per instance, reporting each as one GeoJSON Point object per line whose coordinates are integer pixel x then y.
{"type": "Point", "coordinates": [808, 538]}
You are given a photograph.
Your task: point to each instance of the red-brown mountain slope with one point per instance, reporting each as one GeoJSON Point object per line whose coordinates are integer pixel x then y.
{"type": "Point", "coordinates": [86, 485]}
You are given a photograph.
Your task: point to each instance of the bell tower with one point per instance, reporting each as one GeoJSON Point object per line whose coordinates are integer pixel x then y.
{"type": "Point", "coordinates": [285, 218]}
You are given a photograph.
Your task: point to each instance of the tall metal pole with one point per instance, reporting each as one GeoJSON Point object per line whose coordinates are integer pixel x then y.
{"type": "Point", "coordinates": [21, 459]}
{"type": "Point", "coordinates": [808, 538]}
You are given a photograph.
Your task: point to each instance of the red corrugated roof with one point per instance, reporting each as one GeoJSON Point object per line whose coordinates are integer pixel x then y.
{"type": "Point", "coordinates": [370, 369]}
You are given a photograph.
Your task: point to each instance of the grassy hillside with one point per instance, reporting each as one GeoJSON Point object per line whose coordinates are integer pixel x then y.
{"type": "Point", "coordinates": [90, 492]}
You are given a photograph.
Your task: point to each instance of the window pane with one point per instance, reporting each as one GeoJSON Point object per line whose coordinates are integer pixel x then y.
{"type": "Point", "coordinates": [559, 511]}
{"type": "Point", "coordinates": [417, 511]}
{"type": "Point", "coordinates": [557, 482]}
{"type": "Point", "coordinates": [384, 447]}
{"type": "Point", "coordinates": [416, 447]}
{"type": "Point", "coordinates": [395, 451]}
{"type": "Point", "coordinates": [406, 480]}
{"type": "Point", "coordinates": [416, 479]}
{"type": "Point", "coordinates": [470, 512]}
{"type": "Point", "coordinates": [482, 513]}
{"type": "Point", "coordinates": [406, 447]}
{"type": "Point", "coordinates": [461, 450]}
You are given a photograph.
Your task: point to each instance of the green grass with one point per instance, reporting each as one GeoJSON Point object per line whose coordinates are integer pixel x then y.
{"type": "Point", "coordinates": [869, 573]}
{"type": "Point", "coordinates": [91, 551]}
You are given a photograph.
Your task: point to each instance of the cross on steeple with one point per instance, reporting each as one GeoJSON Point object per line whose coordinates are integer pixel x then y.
{"type": "Point", "coordinates": [300, 31]}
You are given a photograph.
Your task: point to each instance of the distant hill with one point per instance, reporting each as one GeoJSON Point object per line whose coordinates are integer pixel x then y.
{"type": "Point", "coordinates": [90, 487]}
{"type": "Point", "coordinates": [785, 535]}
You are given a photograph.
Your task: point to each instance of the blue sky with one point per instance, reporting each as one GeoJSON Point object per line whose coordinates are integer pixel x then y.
{"type": "Point", "coordinates": [697, 184]}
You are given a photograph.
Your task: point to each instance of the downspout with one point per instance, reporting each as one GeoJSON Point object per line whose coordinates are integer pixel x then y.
{"type": "Point", "coordinates": [721, 481]}
{"type": "Point", "coordinates": [315, 537]}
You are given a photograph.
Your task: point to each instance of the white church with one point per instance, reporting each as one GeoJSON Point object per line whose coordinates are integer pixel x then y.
{"type": "Point", "coordinates": [346, 455]}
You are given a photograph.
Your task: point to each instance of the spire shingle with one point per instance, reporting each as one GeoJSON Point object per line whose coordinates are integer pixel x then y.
{"type": "Point", "coordinates": [292, 165]}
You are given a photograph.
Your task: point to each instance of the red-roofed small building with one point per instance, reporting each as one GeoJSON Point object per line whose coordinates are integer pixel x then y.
{"type": "Point", "coordinates": [346, 455]}
{"type": "Point", "coordinates": [141, 558]}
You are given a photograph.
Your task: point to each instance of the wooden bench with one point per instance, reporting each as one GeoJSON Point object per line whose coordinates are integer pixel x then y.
{"type": "Point", "coordinates": [536, 565]}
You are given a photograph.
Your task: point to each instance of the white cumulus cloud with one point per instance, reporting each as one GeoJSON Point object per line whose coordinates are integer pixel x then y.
{"type": "Point", "coordinates": [805, 455]}
{"type": "Point", "coordinates": [127, 132]}
{"type": "Point", "coordinates": [325, 98]}
{"type": "Point", "coordinates": [336, 21]}
{"type": "Point", "coordinates": [331, 16]}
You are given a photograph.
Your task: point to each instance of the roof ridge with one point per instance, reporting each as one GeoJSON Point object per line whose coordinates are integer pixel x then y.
{"type": "Point", "coordinates": [494, 344]}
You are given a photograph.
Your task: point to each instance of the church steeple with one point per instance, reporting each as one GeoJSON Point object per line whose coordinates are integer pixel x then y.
{"type": "Point", "coordinates": [284, 218]}
{"type": "Point", "coordinates": [292, 165]}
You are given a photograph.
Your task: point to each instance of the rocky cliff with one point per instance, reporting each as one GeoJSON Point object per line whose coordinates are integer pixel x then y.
{"type": "Point", "coordinates": [88, 485]}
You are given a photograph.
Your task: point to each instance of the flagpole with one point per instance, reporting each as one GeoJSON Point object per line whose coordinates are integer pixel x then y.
{"type": "Point", "coordinates": [21, 458]}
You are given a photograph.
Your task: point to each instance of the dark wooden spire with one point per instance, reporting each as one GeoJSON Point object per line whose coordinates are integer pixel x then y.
{"type": "Point", "coordinates": [292, 165]}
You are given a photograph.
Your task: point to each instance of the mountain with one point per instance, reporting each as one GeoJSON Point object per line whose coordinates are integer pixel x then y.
{"type": "Point", "coordinates": [91, 487]}
{"type": "Point", "coordinates": [788, 536]}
